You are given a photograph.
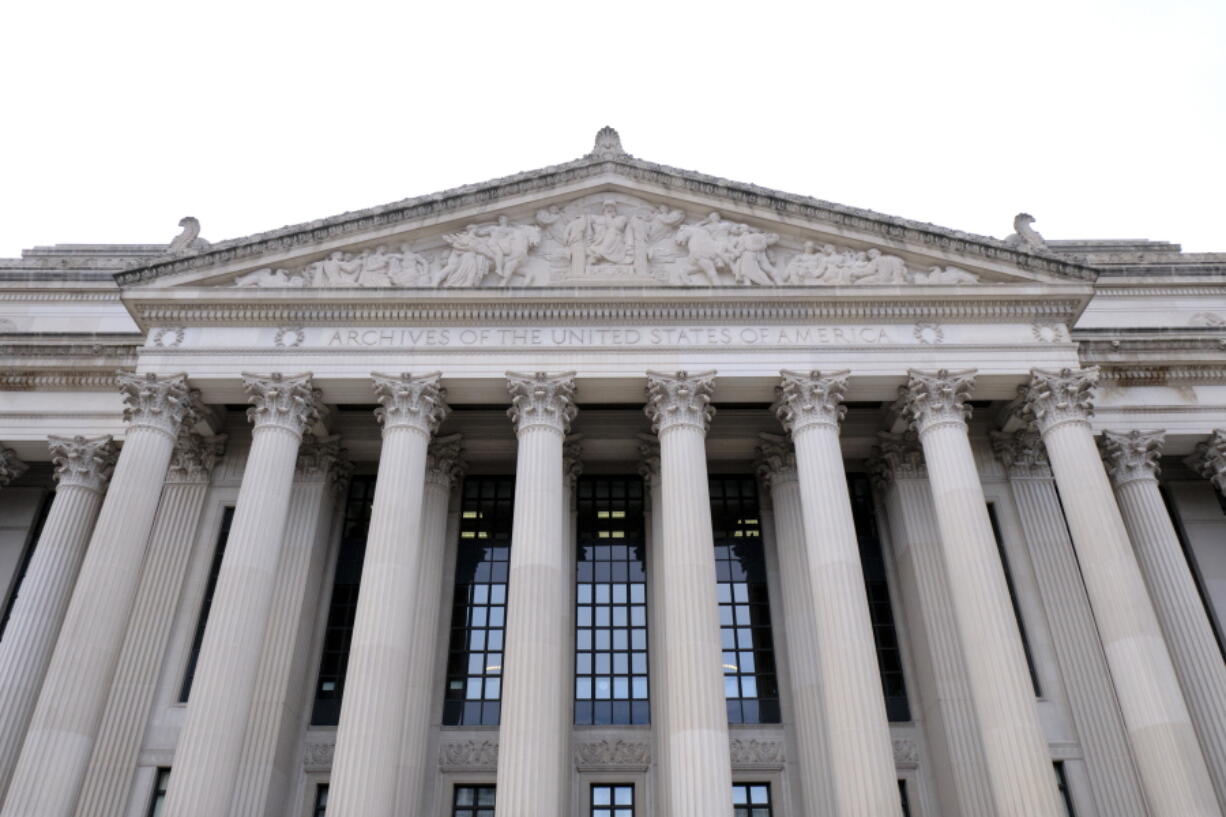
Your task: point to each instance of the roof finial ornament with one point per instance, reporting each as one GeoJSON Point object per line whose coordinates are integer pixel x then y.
{"type": "Point", "coordinates": [608, 144]}
{"type": "Point", "coordinates": [1025, 237]}
{"type": "Point", "coordinates": [190, 238]}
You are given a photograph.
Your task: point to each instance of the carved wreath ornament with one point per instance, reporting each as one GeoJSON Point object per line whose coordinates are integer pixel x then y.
{"type": "Point", "coordinates": [609, 240]}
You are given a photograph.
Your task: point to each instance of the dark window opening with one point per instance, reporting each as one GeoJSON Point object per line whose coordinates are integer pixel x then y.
{"type": "Point", "coordinates": [1017, 610]}
{"type": "Point", "coordinates": [36, 530]}
{"type": "Point", "coordinates": [158, 799]}
{"type": "Point", "coordinates": [478, 615]}
{"type": "Point", "coordinates": [751, 800]}
{"type": "Point", "coordinates": [610, 603]}
{"type": "Point", "coordinates": [321, 800]}
{"type": "Point", "coordinates": [473, 801]}
{"type": "Point", "coordinates": [1062, 784]}
{"type": "Point", "coordinates": [1172, 509]}
{"type": "Point", "coordinates": [615, 800]}
{"type": "Point", "coordinates": [902, 798]}
{"type": "Point", "coordinates": [206, 605]}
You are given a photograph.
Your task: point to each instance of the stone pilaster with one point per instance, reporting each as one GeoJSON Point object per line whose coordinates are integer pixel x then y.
{"type": "Point", "coordinates": [534, 736]}
{"type": "Point", "coordinates": [1018, 761]}
{"type": "Point", "coordinates": [699, 764]}
{"type": "Point", "coordinates": [82, 467]}
{"type": "Point", "coordinates": [445, 466]}
{"type": "Point", "coordinates": [776, 466]}
{"type": "Point", "coordinates": [74, 692]}
{"type": "Point", "coordinates": [1087, 679]}
{"type": "Point", "coordinates": [1172, 769]}
{"type": "Point", "coordinates": [657, 641]}
{"type": "Point", "coordinates": [941, 684]}
{"type": "Point", "coordinates": [861, 753]}
{"type": "Point", "coordinates": [373, 711]}
{"type": "Point", "coordinates": [321, 477]}
{"type": "Point", "coordinates": [109, 779]}
{"type": "Point", "coordinates": [11, 467]}
{"type": "Point", "coordinates": [1132, 462]}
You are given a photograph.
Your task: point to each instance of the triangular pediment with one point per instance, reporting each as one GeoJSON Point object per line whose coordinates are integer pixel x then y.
{"type": "Point", "coordinates": [606, 220]}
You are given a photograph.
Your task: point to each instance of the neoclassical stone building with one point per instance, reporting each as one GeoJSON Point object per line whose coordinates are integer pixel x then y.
{"type": "Point", "coordinates": [617, 490]}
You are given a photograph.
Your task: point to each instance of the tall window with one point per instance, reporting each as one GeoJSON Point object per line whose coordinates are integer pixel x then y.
{"type": "Point", "coordinates": [473, 801]}
{"type": "Point", "coordinates": [885, 635]}
{"type": "Point", "coordinates": [478, 615]}
{"type": "Point", "coordinates": [321, 800]}
{"type": "Point", "coordinates": [615, 800]}
{"type": "Point", "coordinates": [159, 792]}
{"type": "Point", "coordinates": [751, 800]}
{"type": "Point", "coordinates": [751, 687]}
{"type": "Point", "coordinates": [1062, 784]}
{"type": "Point", "coordinates": [902, 798]}
{"type": "Point", "coordinates": [1017, 610]}
{"type": "Point", "coordinates": [1172, 509]}
{"type": "Point", "coordinates": [205, 606]}
{"type": "Point", "coordinates": [36, 530]}
{"type": "Point", "coordinates": [610, 603]}
{"type": "Point", "coordinates": [330, 685]}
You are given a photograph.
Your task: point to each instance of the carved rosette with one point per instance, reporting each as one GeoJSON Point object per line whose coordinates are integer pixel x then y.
{"type": "Point", "coordinates": [680, 400]}
{"type": "Point", "coordinates": [1132, 455]}
{"type": "Point", "coordinates": [445, 463]}
{"type": "Point", "coordinates": [321, 459]}
{"type": "Point", "coordinates": [1055, 398]}
{"type": "Point", "coordinates": [776, 460]}
{"type": "Point", "coordinates": [194, 457]}
{"type": "Point", "coordinates": [897, 456]}
{"type": "Point", "coordinates": [11, 466]}
{"type": "Point", "coordinates": [290, 403]}
{"type": "Point", "coordinates": [934, 399]}
{"type": "Point", "coordinates": [83, 462]}
{"type": "Point", "coordinates": [810, 400]}
{"type": "Point", "coordinates": [1209, 459]}
{"type": "Point", "coordinates": [542, 400]}
{"type": "Point", "coordinates": [416, 403]}
{"type": "Point", "coordinates": [158, 403]}
{"type": "Point", "coordinates": [1022, 453]}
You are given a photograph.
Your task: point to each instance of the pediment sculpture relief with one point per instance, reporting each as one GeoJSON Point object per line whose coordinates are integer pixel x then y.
{"type": "Point", "coordinates": [606, 241]}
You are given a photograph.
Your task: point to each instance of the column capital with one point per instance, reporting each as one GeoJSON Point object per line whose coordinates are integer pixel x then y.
{"type": "Point", "coordinates": [195, 456]}
{"type": "Point", "coordinates": [572, 460]}
{"type": "Point", "coordinates": [897, 456]}
{"type": "Point", "coordinates": [1057, 397]}
{"type": "Point", "coordinates": [649, 457]}
{"type": "Point", "coordinates": [417, 403]}
{"type": "Point", "coordinates": [1131, 455]}
{"type": "Point", "coordinates": [1022, 453]}
{"type": "Point", "coordinates": [542, 400]}
{"type": "Point", "coordinates": [84, 462]}
{"type": "Point", "coordinates": [11, 466]}
{"type": "Point", "coordinates": [938, 398]}
{"type": "Point", "coordinates": [680, 399]}
{"type": "Point", "coordinates": [445, 463]}
{"type": "Point", "coordinates": [288, 402]}
{"type": "Point", "coordinates": [806, 400]}
{"type": "Point", "coordinates": [158, 403]}
{"type": "Point", "coordinates": [322, 459]}
{"type": "Point", "coordinates": [1209, 459]}
{"type": "Point", "coordinates": [775, 460]}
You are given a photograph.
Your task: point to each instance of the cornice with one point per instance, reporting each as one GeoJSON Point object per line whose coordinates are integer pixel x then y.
{"type": "Point", "coordinates": [1162, 375]}
{"type": "Point", "coordinates": [59, 381]}
{"type": "Point", "coordinates": [492, 192]}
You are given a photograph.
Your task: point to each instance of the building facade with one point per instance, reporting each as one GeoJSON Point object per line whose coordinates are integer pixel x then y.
{"type": "Point", "coordinates": [617, 490]}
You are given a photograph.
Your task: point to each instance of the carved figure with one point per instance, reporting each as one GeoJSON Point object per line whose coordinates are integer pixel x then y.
{"type": "Point", "coordinates": [335, 271]}
{"type": "Point", "coordinates": [875, 268]}
{"type": "Point", "coordinates": [190, 238]}
{"type": "Point", "coordinates": [408, 269]}
{"type": "Point", "coordinates": [948, 275]}
{"type": "Point", "coordinates": [470, 259]}
{"type": "Point", "coordinates": [708, 244]}
{"type": "Point", "coordinates": [648, 228]}
{"type": "Point", "coordinates": [375, 268]}
{"type": "Point", "coordinates": [752, 264]}
{"type": "Point", "coordinates": [269, 277]}
{"type": "Point", "coordinates": [509, 244]}
{"type": "Point", "coordinates": [610, 238]}
{"type": "Point", "coordinates": [1025, 237]}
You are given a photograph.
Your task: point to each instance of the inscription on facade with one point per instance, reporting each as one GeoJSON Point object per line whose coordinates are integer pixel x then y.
{"type": "Point", "coordinates": [627, 337]}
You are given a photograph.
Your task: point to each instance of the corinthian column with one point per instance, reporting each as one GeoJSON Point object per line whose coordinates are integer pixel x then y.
{"type": "Point", "coordinates": [777, 467]}
{"type": "Point", "coordinates": [368, 737]}
{"type": "Point", "coordinates": [1172, 768]}
{"type": "Point", "coordinates": [695, 736]}
{"type": "Point", "coordinates": [82, 467]}
{"type": "Point", "coordinates": [810, 407]}
{"type": "Point", "coordinates": [534, 736]}
{"type": "Point", "coordinates": [1132, 461]}
{"type": "Point", "coordinates": [1018, 761]}
{"type": "Point", "coordinates": [657, 641]}
{"type": "Point", "coordinates": [211, 741]}
{"type": "Point", "coordinates": [109, 780]}
{"type": "Point", "coordinates": [445, 467]}
{"type": "Point", "coordinates": [11, 467]}
{"type": "Point", "coordinates": [65, 721]}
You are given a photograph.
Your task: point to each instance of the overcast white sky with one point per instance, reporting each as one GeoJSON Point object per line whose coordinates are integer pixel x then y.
{"type": "Point", "coordinates": [1103, 119]}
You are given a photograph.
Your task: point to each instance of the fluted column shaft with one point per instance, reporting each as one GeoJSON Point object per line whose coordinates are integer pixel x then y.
{"type": "Point", "coordinates": [696, 740]}
{"type": "Point", "coordinates": [369, 735]}
{"type": "Point", "coordinates": [74, 692]}
{"type": "Point", "coordinates": [943, 688]}
{"type": "Point", "coordinates": [211, 742]}
{"type": "Point", "coordinates": [1018, 759]}
{"type": "Point", "coordinates": [82, 469]}
{"type": "Point", "coordinates": [444, 467]}
{"type": "Point", "coordinates": [657, 640]}
{"type": "Point", "coordinates": [534, 735]}
{"type": "Point", "coordinates": [778, 468]}
{"type": "Point", "coordinates": [109, 779]}
{"type": "Point", "coordinates": [861, 753]}
{"type": "Point", "coordinates": [1100, 729]}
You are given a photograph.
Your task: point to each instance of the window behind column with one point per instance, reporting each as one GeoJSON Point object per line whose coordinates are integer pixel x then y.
{"type": "Point", "coordinates": [751, 687]}
{"type": "Point", "coordinates": [478, 616]}
{"type": "Point", "coordinates": [219, 553]}
{"type": "Point", "coordinates": [612, 800]}
{"type": "Point", "coordinates": [36, 530]}
{"type": "Point", "coordinates": [161, 782]}
{"type": "Point", "coordinates": [473, 801]}
{"type": "Point", "coordinates": [1017, 610]}
{"type": "Point", "coordinates": [610, 603]}
{"type": "Point", "coordinates": [751, 800]}
{"type": "Point", "coordinates": [321, 800]}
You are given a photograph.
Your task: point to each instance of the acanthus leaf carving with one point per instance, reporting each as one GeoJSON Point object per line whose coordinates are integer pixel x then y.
{"type": "Point", "coordinates": [445, 463]}
{"type": "Point", "coordinates": [194, 456]}
{"type": "Point", "coordinates": [288, 402]}
{"type": "Point", "coordinates": [805, 400]}
{"type": "Point", "coordinates": [469, 754]}
{"type": "Point", "coordinates": [775, 460]}
{"type": "Point", "coordinates": [1209, 459]}
{"type": "Point", "coordinates": [1131, 455]}
{"type": "Point", "coordinates": [84, 462]}
{"type": "Point", "coordinates": [681, 399]}
{"type": "Point", "coordinates": [938, 398]}
{"type": "Point", "coordinates": [160, 403]}
{"type": "Point", "coordinates": [756, 752]}
{"type": "Point", "coordinates": [1022, 453]}
{"type": "Point", "coordinates": [1056, 397]}
{"type": "Point", "coordinates": [897, 456]}
{"type": "Point", "coordinates": [623, 754]}
{"type": "Point", "coordinates": [542, 400]}
{"type": "Point", "coordinates": [11, 466]}
{"type": "Point", "coordinates": [412, 402]}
